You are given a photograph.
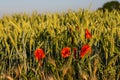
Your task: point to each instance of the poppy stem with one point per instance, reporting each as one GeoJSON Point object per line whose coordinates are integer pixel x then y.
{"type": "Point", "coordinates": [40, 63]}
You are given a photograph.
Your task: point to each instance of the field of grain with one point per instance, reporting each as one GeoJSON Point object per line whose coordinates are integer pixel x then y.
{"type": "Point", "coordinates": [22, 34]}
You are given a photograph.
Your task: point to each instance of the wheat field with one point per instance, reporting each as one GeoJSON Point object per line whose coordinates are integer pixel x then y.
{"type": "Point", "coordinates": [21, 34]}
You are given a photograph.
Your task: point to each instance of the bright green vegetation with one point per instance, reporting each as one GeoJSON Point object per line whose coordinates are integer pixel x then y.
{"type": "Point", "coordinates": [21, 34]}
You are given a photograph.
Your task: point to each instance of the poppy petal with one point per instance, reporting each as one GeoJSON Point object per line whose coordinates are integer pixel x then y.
{"type": "Point", "coordinates": [84, 50]}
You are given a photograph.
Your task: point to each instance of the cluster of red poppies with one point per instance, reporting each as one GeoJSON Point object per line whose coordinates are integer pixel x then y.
{"type": "Point", "coordinates": [84, 50]}
{"type": "Point", "coordinates": [39, 53]}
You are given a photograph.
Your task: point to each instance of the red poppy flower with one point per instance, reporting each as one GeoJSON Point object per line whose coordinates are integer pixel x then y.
{"type": "Point", "coordinates": [87, 34]}
{"type": "Point", "coordinates": [39, 54]}
{"type": "Point", "coordinates": [65, 52]}
{"type": "Point", "coordinates": [75, 50]}
{"type": "Point", "coordinates": [85, 49]}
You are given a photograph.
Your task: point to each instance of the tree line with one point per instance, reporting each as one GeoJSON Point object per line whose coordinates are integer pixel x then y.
{"type": "Point", "coordinates": [110, 6]}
